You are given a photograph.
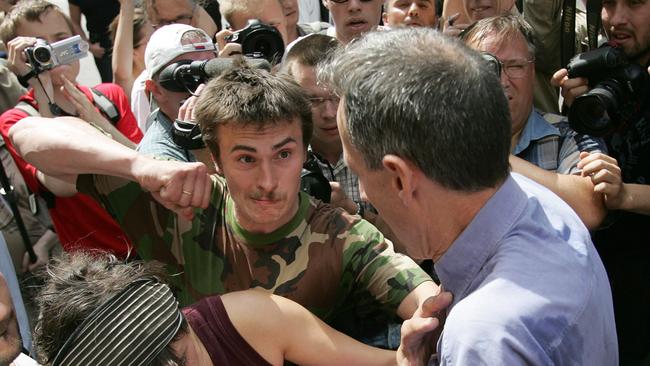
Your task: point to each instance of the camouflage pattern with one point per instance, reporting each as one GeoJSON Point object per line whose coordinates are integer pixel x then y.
{"type": "Point", "coordinates": [325, 259]}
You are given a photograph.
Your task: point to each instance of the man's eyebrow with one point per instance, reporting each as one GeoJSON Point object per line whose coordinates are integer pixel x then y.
{"type": "Point", "coordinates": [283, 142]}
{"type": "Point", "coordinates": [274, 147]}
{"type": "Point", "coordinates": [243, 147]}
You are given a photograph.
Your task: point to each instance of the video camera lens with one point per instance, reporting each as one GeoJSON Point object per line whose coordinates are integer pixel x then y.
{"type": "Point", "coordinates": [42, 54]}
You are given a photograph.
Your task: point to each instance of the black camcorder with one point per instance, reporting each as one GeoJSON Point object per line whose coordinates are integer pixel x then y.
{"type": "Point", "coordinates": [44, 56]}
{"type": "Point", "coordinates": [616, 84]}
{"type": "Point", "coordinates": [259, 40]}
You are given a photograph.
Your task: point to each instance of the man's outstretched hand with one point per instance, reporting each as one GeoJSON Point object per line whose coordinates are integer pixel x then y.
{"type": "Point", "coordinates": [420, 333]}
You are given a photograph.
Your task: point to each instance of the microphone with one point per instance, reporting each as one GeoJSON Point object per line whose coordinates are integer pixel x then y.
{"type": "Point", "coordinates": [186, 75]}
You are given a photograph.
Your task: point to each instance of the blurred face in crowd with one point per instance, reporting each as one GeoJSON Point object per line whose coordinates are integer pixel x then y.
{"type": "Point", "coordinates": [52, 28]}
{"type": "Point", "coordinates": [262, 169]}
{"type": "Point", "coordinates": [270, 12]}
{"type": "Point", "coordinates": [323, 106]}
{"type": "Point", "coordinates": [10, 341]}
{"type": "Point", "coordinates": [480, 9]}
{"type": "Point", "coordinates": [517, 74]}
{"type": "Point", "coordinates": [164, 12]}
{"type": "Point", "coordinates": [627, 23]}
{"type": "Point", "coordinates": [410, 13]}
{"type": "Point", "coordinates": [354, 17]}
{"type": "Point", "coordinates": [290, 9]}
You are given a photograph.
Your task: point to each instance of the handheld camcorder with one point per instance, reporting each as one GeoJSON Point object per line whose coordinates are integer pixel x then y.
{"type": "Point", "coordinates": [186, 76]}
{"type": "Point", "coordinates": [44, 56]}
{"type": "Point", "coordinates": [615, 86]}
{"type": "Point", "coordinates": [259, 40]}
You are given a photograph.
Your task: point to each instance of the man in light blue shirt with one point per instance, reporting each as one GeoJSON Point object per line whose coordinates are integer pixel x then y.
{"type": "Point", "coordinates": [528, 286]}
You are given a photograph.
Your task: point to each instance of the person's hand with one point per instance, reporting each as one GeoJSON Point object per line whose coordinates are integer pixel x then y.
{"type": "Point", "coordinates": [421, 332]}
{"type": "Point", "coordinates": [42, 249]}
{"type": "Point", "coordinates": [97, 50]}
{"type": "Point", "coordinates": [571, 88]}
{"type": "Point", "coordinates": [17, 63]}
{"type": "Point", "coordinates": [186, 111]}
{"type": "Point", "coordinates": [338, 198]}
{"type": "Point", "coordinates": [178, 186]}
{"type": "Point", "coordinates": [85, 108]}
{"type": "Point", "coordinates": [605, 174]}
{"type": "Point", "coordinates": [450, 28]}
{"type": "Point", "coordinates": [227, 49]}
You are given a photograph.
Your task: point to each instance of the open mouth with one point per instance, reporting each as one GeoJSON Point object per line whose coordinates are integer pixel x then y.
{"type": "Point", "coordinates": [357, 24]}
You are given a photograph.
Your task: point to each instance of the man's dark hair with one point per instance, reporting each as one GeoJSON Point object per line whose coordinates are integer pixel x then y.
{"type": "Point", "coordinates": [27, 10]}
{"type": "Point", "coordinates": [310, 50]}
{"type": "Point", "coordinates": [427, 98]}
{"type": "Point", "coordinates": [244, 96]}
{"type": "Point", "coordinates": [77, 284]}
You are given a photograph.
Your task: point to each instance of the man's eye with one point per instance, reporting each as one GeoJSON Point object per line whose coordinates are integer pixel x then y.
{"type": "Point", "coordinates": [284, 154]}
{"type": "Point", "coordinates": [246, 159]}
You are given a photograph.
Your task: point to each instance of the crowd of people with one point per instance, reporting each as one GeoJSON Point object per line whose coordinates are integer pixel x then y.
{"type": "Point", "coordinates": [362, 182]}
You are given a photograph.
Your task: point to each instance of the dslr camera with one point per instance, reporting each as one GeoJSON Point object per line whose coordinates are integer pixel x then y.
{"type": "Point", "coordinates": [615, 88]}
{"type": "Point", "coordinates": [312, 180]}
{"type": "Point", "coordinates": [259, 40]}
{"type": "Point", "coordinates": [44, 56]}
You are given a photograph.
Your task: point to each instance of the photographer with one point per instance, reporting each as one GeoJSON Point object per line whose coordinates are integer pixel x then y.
{"type": "Point", "coordinates": [239, 13]}
{"type": "Point", "coordinates": [171, 45]}
{"type": "Point", "coordinates": [623, 177]}
{"type": "Point", "coordinates": [79, 221]}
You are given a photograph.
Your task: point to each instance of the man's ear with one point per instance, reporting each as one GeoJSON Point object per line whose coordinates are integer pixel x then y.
{"type": "Point", "coordinates": [325, 4]}
{"type": "Point", "coordinates": [153, 88]}
{"type": "Point", "coordinates": [384, 17]}
{"type": "Point", "coordinates": [402, 177]}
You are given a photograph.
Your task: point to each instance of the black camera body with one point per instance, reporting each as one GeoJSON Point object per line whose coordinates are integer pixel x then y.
{"type": "Point", "coordinates": [312, 180]}
{"type": "Point", "coordinates": [259, 40]}
{"type": "Point", "coordinates": [44, 56]}
{"type": "Point", "coordinates": [616, 85]}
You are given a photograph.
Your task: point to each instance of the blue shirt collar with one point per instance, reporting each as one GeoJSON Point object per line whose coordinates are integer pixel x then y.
{"type": "Point", "coordinates": [536, 128]}
{"type": "Point", "coordinates": [460, 265]}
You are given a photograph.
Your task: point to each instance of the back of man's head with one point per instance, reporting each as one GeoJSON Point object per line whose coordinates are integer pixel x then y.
{"type": "Point", "coordinates": [244, 96]}
{"type": "Point", "coordinates": [427, 98]}
{"type": "Point", "coordinates": [309, 50]}
{"type": "Point", "coordinates": [30, 11]}
{"type": "Point", "coordinates": [504, 29]}
{"type": "Point", "coordinates": [116, 302]}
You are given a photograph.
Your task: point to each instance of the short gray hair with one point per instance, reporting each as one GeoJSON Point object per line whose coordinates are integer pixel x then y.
{"type": "Point", "coordinates": [504, 28]}
{"type": "Point", "coordinates": [426, 98]}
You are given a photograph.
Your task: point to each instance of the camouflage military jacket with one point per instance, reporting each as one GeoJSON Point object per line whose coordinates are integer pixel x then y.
{"type": "Point", "coordinates": [325, 259]}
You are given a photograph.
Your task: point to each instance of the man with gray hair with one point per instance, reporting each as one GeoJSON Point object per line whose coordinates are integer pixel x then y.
{"type": "Point", "coordinates": [527, 283]}
{"type": "Point", "coordinates": [543, 145]}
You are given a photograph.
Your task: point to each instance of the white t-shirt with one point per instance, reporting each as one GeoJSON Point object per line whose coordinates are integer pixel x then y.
{"type": "Point", "coordinates": [140, 104]}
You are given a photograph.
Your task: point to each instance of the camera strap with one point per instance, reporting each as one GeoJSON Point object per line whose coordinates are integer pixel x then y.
{"type": "Point", "coordinates": [568, 40]}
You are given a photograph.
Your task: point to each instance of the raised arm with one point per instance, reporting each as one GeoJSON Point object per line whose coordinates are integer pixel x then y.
{"type": "Point", "coordinates": [68, 147]}
{"type": "Point", "coordinates": [298, 335]}
{"type": "Point", "coordinates": [122, 61]}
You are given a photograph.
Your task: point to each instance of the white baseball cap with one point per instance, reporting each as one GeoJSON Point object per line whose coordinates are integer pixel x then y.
{"type": "Point", "coordinates": [171, 41]}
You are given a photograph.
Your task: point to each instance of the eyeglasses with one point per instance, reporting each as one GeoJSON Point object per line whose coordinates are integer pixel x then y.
{"type": "Point", "coordinates": [345, 1]}
{"type": "Point", "coordinates": [319, 102]}
{"type": "Point", "coordinates": [514, 69]}
{"type": "Point", "coordinates": [181, 19]}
